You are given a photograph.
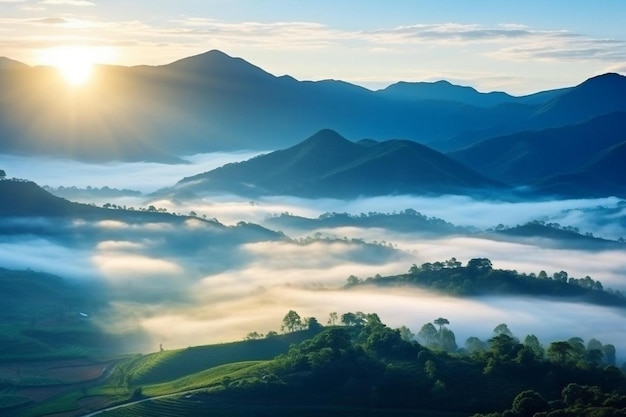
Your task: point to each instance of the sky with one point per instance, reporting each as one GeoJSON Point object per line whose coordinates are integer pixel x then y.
{"type": "Point", "coordinates": [520, 47]}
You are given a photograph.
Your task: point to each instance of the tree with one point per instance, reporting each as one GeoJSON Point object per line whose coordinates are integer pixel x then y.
{"type": "Point", "coordinates": [441, 322]}
{"type": "Point", "coordinates": [502, 328]}
{"type": "Point", "coordinates": [352, 280]}
{"type": "Point", "coordinates": [479, 265]}
{"type": "Point", "coordinates": [292, 321]}
{"type": "Point", "coordinates": [430, 368]}
{"type": "Point", "coordinates": [332, 318]}
{"type": "Point", "coordinates": [609, 354]}
{"type": "Point", "coordinates": [406, 334]}
{"type": "Point", "coordinates": [447, 340]}
{"type": "Point", "coordinates": [311, 323]}
{"type": "Point", "coordinates": [254, 336]}
{"type": "Point", "coordinates": [532, 343]}
{"type": "Point", "coordinates": [559, 352]}
{"type": "Point", "coordinates": [3, 174]}
{"type": "Point", "coordinates": [452, 263]}
{"type": "Point", "coordinates": [429, 336]}
{"type": "Point", "coordinates": [504, 348]}
{"type": "Point", "coordinates": [474, 345]}
{"type": "Point", "coordinates": [527, 403]}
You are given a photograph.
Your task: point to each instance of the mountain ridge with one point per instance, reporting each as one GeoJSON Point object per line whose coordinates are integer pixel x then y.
{"type": "Point", "coordinates": [215, 102]}
{"type": "Point", "coordinates": [328, 165]}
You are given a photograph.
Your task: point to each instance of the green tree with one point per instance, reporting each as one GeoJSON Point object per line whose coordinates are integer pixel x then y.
{"type": "Point", "coordinates": [292, 321]}
{"type": "Point", "coordinates": [430, 368]}
{"type": "Point", "coordinates": [479, 265]}
{"type": "Point", "coordinates": [474, 345]}
{"type": "Point", "coordinates": [504, 348]}
{"type": "Point", "coordinates": [532, 343]}
{"type": "Point", "coordinates": [429, 336]}
{"type": "Point", "coordinates": [441, 322]}
{"type": "Point", "coordinates": [3, 174]}
{"type": "Point", "coordinates": [447, 340]}
{"type": "Point", "coordinates": [406, 334]}
{"type": "Point", "coordinates": [502, 328]}
{"type": "Point", "coordinates": [559, 352]}
{"type": "Point", "coordinates": [311, 323]}
{"type": "Point", "coordinates": [353, 319]}
{"type": "Point", "coordinates": [333, 318]}
{"type": "Point", "coordinates": [527, 403]}
{"type": "Point", "coordinates": [254, 336]}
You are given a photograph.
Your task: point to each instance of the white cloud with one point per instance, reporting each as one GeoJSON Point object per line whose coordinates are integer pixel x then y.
{"type": "Point", "coordinates": [80, 3]}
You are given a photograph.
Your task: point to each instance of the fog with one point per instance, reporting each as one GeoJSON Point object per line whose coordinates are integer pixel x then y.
{"type": "Point", "coordinates": [195, 282]}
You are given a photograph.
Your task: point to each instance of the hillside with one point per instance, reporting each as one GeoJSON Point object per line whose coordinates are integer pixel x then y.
{"type": "Point", "coordinates": [589, 150]}
{"type": "Point", "coordinates": [213, 101]}
{"type": "Point", "coordinates": [363, 367]}
{"type": "Point", "coordinates": [25, 198]}
{"type": "Point", "coordinates": [328, 165]}
{"type": "Point", "coordinates": [594, 97]}
{"type": "Point", "coordinates": [45, 317]}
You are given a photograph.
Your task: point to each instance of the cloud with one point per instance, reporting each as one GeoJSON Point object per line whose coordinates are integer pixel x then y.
{"type": "Point", "coordinates": [194, 282]}
{"type": "Point", "coordinates": [50, 21]}
{"type": "Point", "coordinates": [80, 3]}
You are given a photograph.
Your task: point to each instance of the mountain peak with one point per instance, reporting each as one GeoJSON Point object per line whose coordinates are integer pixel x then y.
{"type": "Point", "coordinates": [326, 136]}
{"type": "Point", "coordinates": [218, 63]}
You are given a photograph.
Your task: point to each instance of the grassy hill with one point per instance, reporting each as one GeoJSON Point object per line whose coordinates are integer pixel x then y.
{"type": "Point", "coordinates": [173, 364]}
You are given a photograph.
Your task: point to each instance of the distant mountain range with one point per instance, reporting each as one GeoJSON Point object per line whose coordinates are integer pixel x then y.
{"type": "Point", "coordinates": [328, 165]}
{"type": "Point", "coordinates": [215, 102]}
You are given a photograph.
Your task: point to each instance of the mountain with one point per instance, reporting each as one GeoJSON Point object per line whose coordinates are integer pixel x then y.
{"type": "Point", "coordinates": [212, 101]}
{"type": "Point", "coordinates": [446, 91]}
{"type": "Point", "coordinates": [594, 97]}
{"type": "Point", "coordinates": [604, 175]}
{"type": "Point", "coordinates": [585, 155]}
{"type": "Point", "coordinates": [328, 165]}
{"type": "Point", "coordinates": [7, 63]}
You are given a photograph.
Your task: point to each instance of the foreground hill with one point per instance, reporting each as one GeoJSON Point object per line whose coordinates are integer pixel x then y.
{"type": "Point", "coordinates": [368, 369]}
{"type": "Point", "coordinates": [328, 165]}
{"type": "Point", "coordinates": [213, 102]}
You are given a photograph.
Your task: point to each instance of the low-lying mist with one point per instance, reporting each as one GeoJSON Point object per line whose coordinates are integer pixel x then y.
{"type": "Point", "coordinates": [197, 282]}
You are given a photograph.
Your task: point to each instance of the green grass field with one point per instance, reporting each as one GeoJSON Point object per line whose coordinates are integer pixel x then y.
{"type": "Point", "coordinates": [170, 365]}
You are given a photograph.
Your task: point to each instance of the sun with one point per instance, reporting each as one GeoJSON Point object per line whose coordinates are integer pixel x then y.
{"type": "Point", "coordinates": [75, 71]}
{"type": "Point", "coordinates": [74, 63]}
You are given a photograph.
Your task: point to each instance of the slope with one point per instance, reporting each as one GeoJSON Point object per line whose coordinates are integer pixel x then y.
{"type": "Point", "coordinates": [328, 165]}
{"type": "Point", "coordinates": [533, 156]}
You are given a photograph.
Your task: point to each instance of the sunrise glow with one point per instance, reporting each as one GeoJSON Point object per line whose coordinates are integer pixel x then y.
{"type": "Point", "coordinates": [75, 63]}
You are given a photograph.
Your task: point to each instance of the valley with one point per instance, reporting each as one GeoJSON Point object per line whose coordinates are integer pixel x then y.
{"type": "Point", "coordinates": [431, 249]}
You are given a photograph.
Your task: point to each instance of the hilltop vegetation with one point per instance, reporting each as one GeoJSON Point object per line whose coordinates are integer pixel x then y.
{"type": "Point", "coordinates": [478, 277]}
{"type": "Point", "coordinates": [406, 221]}
{"type": "Point", "coordinates": [365, 367]}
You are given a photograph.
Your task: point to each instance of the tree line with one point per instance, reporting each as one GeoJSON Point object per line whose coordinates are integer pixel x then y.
{"type": "Point", "coordinates": [478, 277]}
{"type": "Point", "coordinates": [356, 360]}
